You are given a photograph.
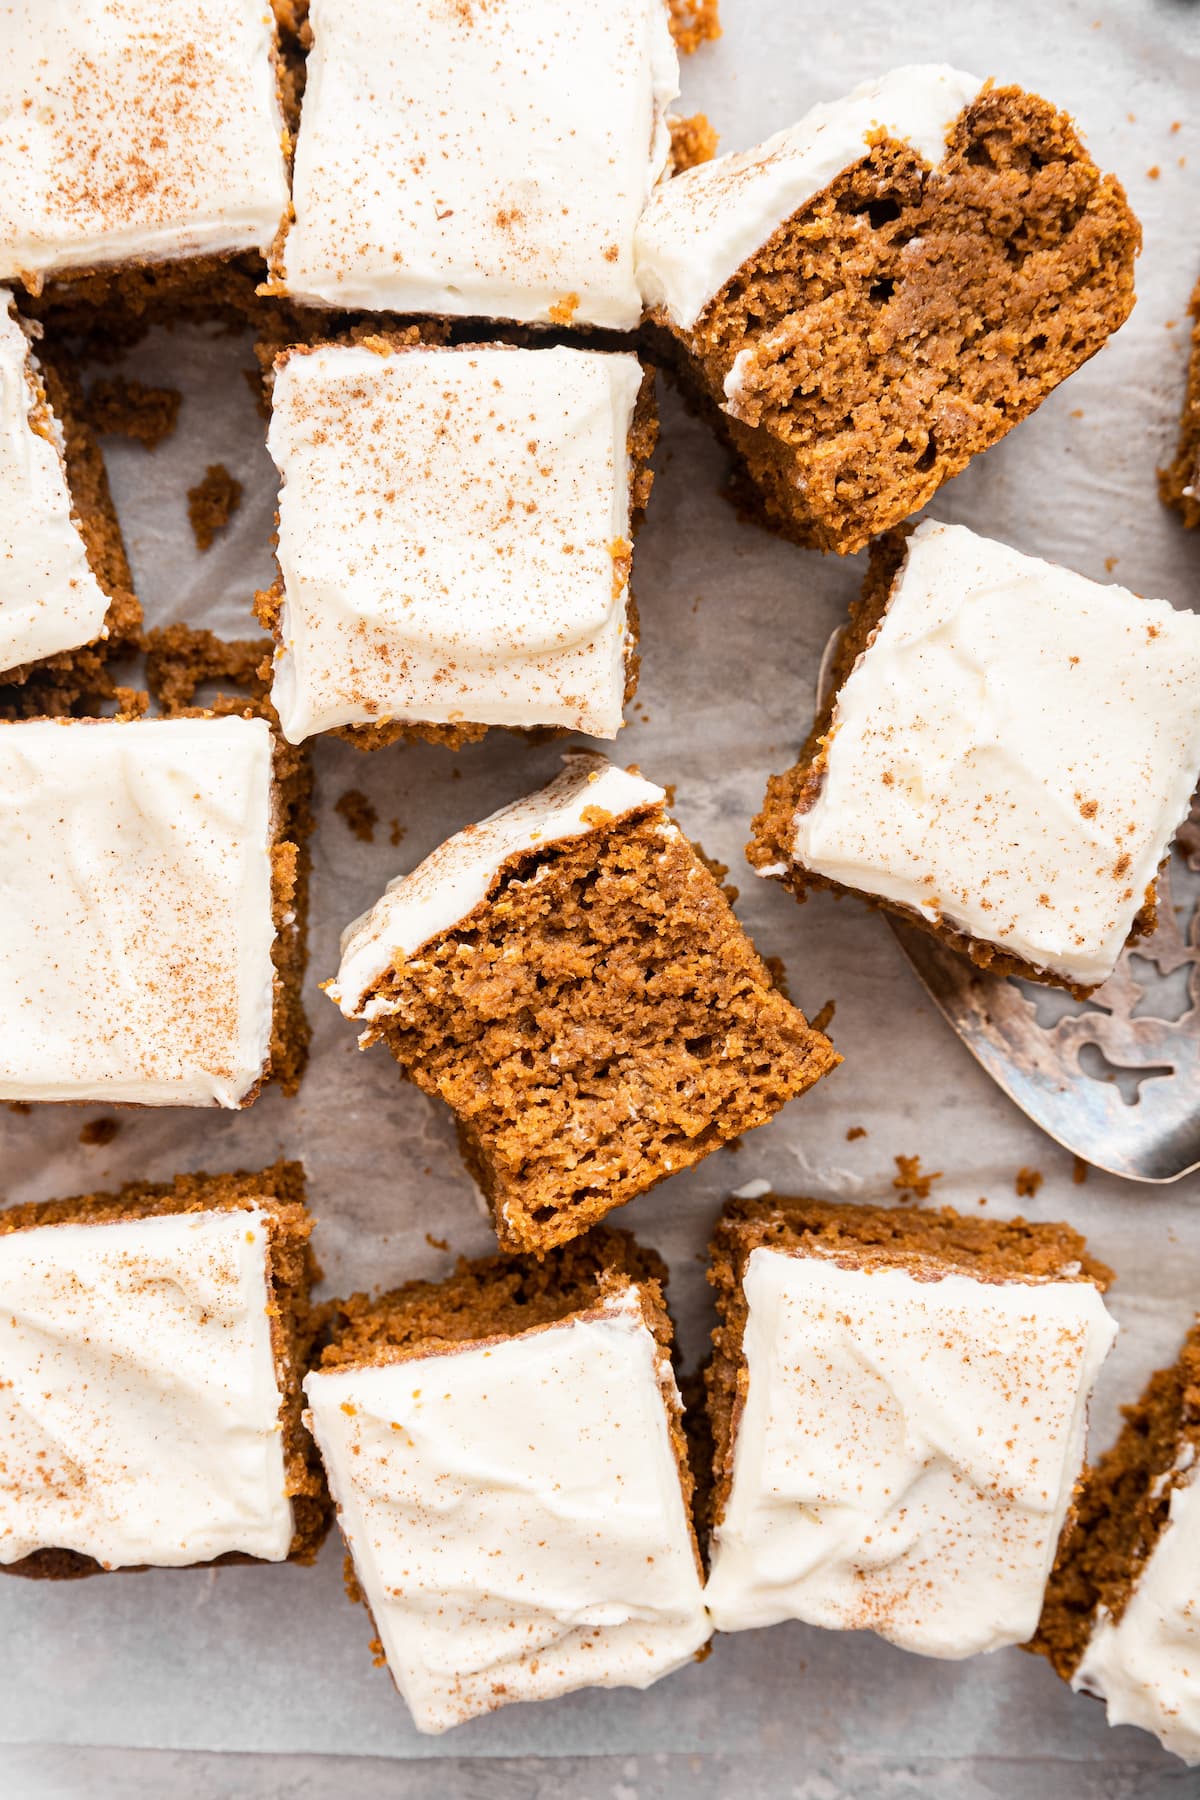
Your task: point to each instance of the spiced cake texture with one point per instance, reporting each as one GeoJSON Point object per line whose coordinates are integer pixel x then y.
{"type": "Point", "coordinates": [1179, 483]}
{"type": "Point", "coordinates": [596, 1022]}
{"type": "Point", "coordinates": [77, 679]}
{"type": "Point", "coordinates": [908, 316]}
{"type": "Point", "coordinates": [279, 1192]}
{"type": "Point", "coordinates": [926, 1244]}
{"type": "Point", "coordinates": [1079, 921]}
{"type": "Point", "coordinates": [1123, 1508]}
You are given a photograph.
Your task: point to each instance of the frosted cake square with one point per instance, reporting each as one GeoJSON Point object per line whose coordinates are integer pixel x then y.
{"type": "Point", "coordinates": [898, 1402]}
{"type": "Point", "coordinates": [151, 933]}
{"type": "Point", "coordinates": [1005, 756]}
{"type": "Point", "coordinates": [506, 1454]}
{"type": "Point", "coordinates": [479, 161]}
{"type": "Point", "coordinates": [455, 538]}
{"type": "Point", "coordinates": [154, 1344]}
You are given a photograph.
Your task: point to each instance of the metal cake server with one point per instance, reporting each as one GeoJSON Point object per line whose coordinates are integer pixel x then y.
{"type": "Point", "coordinates": [1114, 1078]}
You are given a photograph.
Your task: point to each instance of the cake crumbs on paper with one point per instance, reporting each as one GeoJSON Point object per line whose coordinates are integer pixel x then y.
{"type": "Point", "coordinates": [396, 833]}
{"type": "Point", "coordinates": [1027, 1182]}
{"type": "Point", "coordinates": [120, 407]}
{"type": "Point", "coordinates": [854, 1132]}
{"type": "Point", "coordinates": [909, 1181]}
{"type": "Point", "coordinates": [212, 503]}
{"type": "Point", "coordinates": [436, 1243]}
{"type": "Point", "coordinates": [359, 814]}
{"type": "Point", "coordinates": [693, 141]}
{"type": "Point", "coordinates": [99, 1131]}
{"type": "Point", "coordinates": [1079, 1171]}
{"type": "Point", "coordinates": [694, 22]}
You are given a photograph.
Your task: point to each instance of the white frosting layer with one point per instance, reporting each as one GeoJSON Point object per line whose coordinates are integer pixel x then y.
{"type": "Point", "coordinates": [1146, 1667]}
{"type": "Point", "coordinates": [136, 130]}
{"type": "Point", "coordinates": [479, 159]}
{"type": "Point", "coordinates": [135, 910]}
{"type": "Point", "coordinates": [139, 1411]}
{"type": "Point", "coordinates": [1012, 753]}
{"type": "Point", "coordinates": [49, 598]}
{"type": "Point", "coordinates": [448, 524]}
{"type": "Point", "coordinates": [440, 892]}
{"type": "Point", "coordinates": [515, 1514]}
{"type": "Point", "coordinates": [702, 226]}
{"type": "Point", "coordinates": [907, 1451]}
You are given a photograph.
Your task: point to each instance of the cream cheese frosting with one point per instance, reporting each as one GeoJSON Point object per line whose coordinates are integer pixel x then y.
{"type": "Point", "coordinates": [906, 1452]}
{"type": "Point", "coordinates": [135, 910]}
{"type": "Point", "coordinates": [453, 536]}
{"type": "Point", "coordinates": [1145, 1665]}
{"type": "Point", "coordinates": [140, 1407]}
{"type": "Point", "coordinates": [515, 1513]}
{"type": "Point", "coordinates": [479, 160]}
{"type": "Point", "coordinates": [136, 131]}
{"type": "Point", "coordinates": [700, 227]}
{"type": "Point", "coordinates": [444, 889]}
{"type": "Point", "coordinates": [1012, 753]}
{"type": "Point", "coordinates": [49, 598]}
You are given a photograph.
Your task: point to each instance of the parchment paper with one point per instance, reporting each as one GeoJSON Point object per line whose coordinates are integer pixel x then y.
{"type": "Point", "coordinates": [733, 626]}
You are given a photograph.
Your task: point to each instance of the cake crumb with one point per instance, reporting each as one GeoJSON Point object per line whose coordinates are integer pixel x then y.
{"type": "Point", "coordinates": [694, 140]}
{"type": "Point", "coordinates": [563, 311]}
{"type": "Point", "coordinates": [694, 22]}
{"type": "Point", "coordinates": [119, 407]}
{"type": "Point", "coordinates": [1153, 172]}
{"type": "Point", "coordinates": [1079, 1171]}
{"type": "Point", "coordinates": [397, 833]}
{"type": "Point", "coordinates": [856, 1131]}
{"type": "Point", "coordinates": [359, 814]}
{"type": "Point", "coordinates": [100, 1131]}
{"type": "Point", "coordinates": [212, 503]}
{"type": "Point", "coordinates": [354, 1592]}
{"type": "Point", "coordinates": [1110, 563]}
{"type": "Point", "coordinates": [909, 1181]}
{"type": "Point", "coordinates": [1027, 1183]}
{"type": "Point", "coordinates": [436, 1243]}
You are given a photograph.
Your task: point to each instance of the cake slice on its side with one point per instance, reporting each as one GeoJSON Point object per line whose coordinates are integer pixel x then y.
{"type": "Point", "coordinates": [455, 538]}
{"type": "Point", "coordinates": [155, 1340]}
{"type": "Point", "coordinates": [66, 600]}
{"type": "Point", "coordinates": [1122, 1613]}
{"type": "Point", "coordinates": [506, 1452]}
{"type": "Point", "coordinates": [570, 979]}
{"type": "Point", "coordinates": [1179, 483]}
{"type": "Point", "coordinates": [882, 290]}
{"type": "Point", "coordinates": [152, 887]}
{"type": "Point", "coordinates": [898, 1402]}
{"type": "Point", "coordinates": [1005, 755]}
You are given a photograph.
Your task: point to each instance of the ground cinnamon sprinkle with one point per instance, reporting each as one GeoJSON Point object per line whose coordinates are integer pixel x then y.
{"type": "Point", "coordinates": [212, 503]}
{"type": "Point", "coordinates": [359, 814]}
{"type": "Point", "coordinates": [1028, 1181]}
{"type": "Point", "coordinates": [909, 1181]}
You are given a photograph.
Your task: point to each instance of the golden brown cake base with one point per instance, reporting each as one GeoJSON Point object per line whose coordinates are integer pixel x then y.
{"type": "Point", "coordinates": [908, 317]}
{"type": "Point", "coordinates": [926, 1244]}
{"type": "Point", "coordinates": [797, 790]}
{"type": "Point", "coordinates": [640, 445]}
{"type": "Point", "coordinates": [1123, 1507]}
{"type": "Point", "coordinates": [77, 679]}
{"type": "Point", "coordinates": [1179, 484]}
{"type": "Point", "coordinates": [279, 1192]}
{"type": "Point", "coordinates": [596, 1029]}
